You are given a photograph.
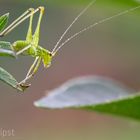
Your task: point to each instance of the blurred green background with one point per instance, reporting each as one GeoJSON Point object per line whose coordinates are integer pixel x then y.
{"type": "Point", "coordinates": [111, 49]}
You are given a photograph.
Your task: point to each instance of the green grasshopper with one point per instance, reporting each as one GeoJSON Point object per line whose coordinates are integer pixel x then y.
{"type": "Point", "coordinates": [31, 46]}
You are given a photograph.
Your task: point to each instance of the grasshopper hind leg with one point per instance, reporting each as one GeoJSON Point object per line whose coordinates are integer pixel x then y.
{"type": "Point", "coordinates": [18, 21]}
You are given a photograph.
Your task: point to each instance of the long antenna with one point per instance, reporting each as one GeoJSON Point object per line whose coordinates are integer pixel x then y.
{"type": "Point", "coordinates": [81, 13]}
{"type": "Point", "coordinates": [93, 25]}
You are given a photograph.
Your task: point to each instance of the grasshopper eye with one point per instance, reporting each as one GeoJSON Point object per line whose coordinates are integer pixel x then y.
{"type": "Point", "coordinates": [50, 53]}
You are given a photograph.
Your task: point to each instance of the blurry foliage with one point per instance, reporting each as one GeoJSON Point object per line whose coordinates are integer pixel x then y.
{"type": "Point", "coordinates": [79, 2]}
{"type": "Point", "coordinates": [3, 21]}
{"type": "Point", "coordinates": [94, 93]}
{"type": "Point", "coordinates": [8, 79]}
{"type": "Point", "coordinates": [6, 50]}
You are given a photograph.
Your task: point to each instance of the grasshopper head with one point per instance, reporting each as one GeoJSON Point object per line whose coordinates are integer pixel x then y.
{"type": "Point", "coordinates": [46, 58]}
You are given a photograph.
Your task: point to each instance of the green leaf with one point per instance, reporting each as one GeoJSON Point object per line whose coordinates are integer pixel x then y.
{"type": "Point", "coordinates": [6, 49]}
{"type": "Point", "coordinates": [4, 52]}
{"type": "Point", "coordinates": [95, 94]}
{"type": "Point", "coordinates": [8, 79]}
{"type": "Point", "coordinates": [5, 45]}
{"type": "Point", "coordinates": [3, 21]}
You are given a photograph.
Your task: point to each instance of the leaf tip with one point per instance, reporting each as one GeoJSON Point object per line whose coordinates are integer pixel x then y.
{"type": "Point", "coordinates": [7, 14]}
{"type": "Point", "coordinates": [40, 103]}
{"type": "Point", "coordinates": [36, 104]}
